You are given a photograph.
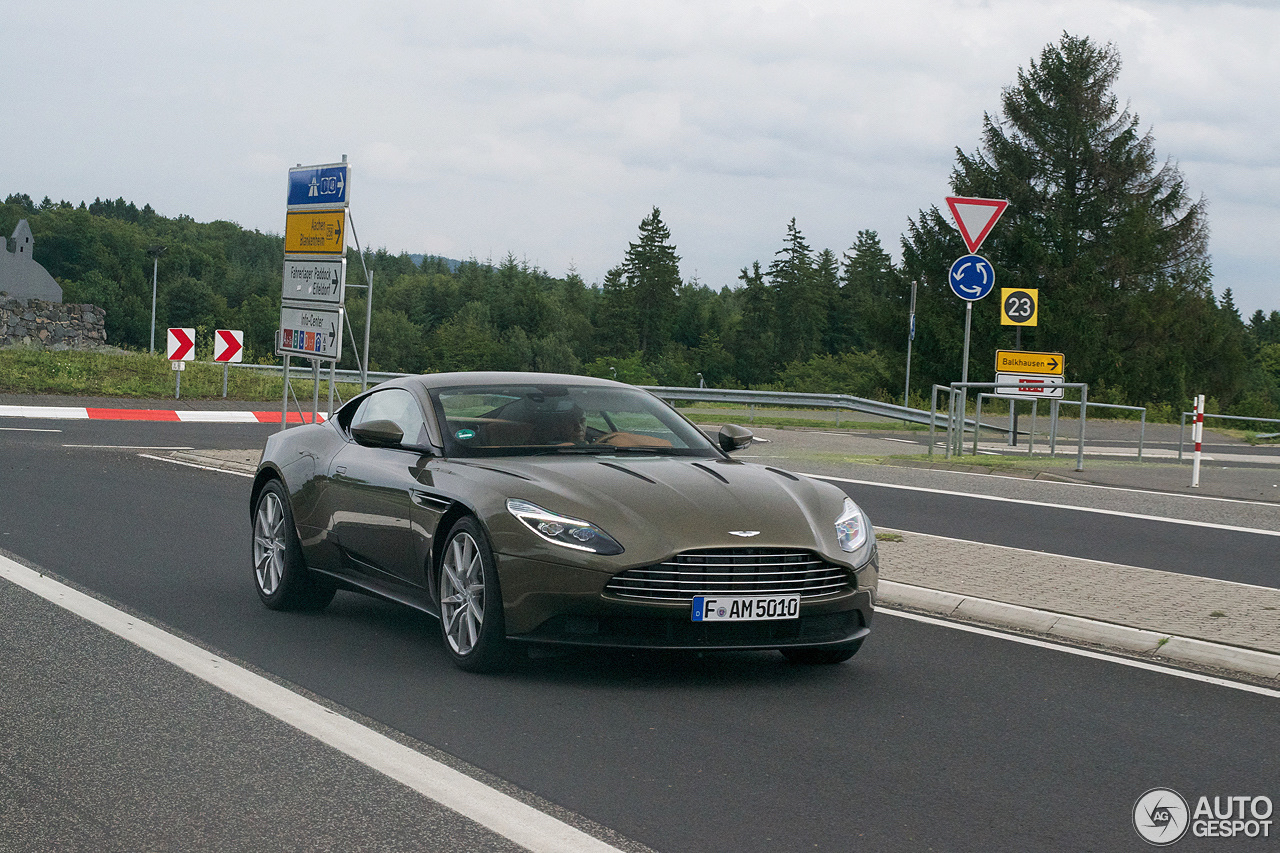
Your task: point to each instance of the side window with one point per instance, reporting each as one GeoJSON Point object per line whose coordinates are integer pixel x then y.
{"type": "Point", "coordinates": [399, 407]}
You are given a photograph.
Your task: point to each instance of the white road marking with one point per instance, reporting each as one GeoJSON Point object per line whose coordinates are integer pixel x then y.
{"type": "Point", "coordinates": [27, 429]}
{"type": "Point", "coordinates": [45, 412]}
{"type": "Point", "coordinates": [127, 447]}
{"type": "Point", "coordinates": [1095, 486]}
{"type": "Point", "coordinates": [195, 464]}
{"type": "Point", "coordinates": [999, 499]}
{"type": "Point", "coordinates": [1087, 653]}
{"type": "Point", "coordinates": [492, 809]}
{"type": "Point", "coordinates": [193, 416]}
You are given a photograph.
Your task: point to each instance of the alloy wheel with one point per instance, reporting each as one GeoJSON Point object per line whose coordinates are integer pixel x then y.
{"type": "Point", "coordinates": [462, 593]}
{"type": "Point", "coordinates": [269, 543]}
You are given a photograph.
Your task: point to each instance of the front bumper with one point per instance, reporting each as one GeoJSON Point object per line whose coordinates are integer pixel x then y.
{"type": "Point", "coordinates": [550, 603]}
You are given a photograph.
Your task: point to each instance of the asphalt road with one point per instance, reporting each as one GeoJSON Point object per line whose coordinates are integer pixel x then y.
{"type": "Point", "coordinates": [931, 739]}
{"type": "Point", "coordinates": [1185, 549]}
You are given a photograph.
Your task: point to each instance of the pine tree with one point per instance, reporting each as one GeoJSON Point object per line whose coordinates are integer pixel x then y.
{"type": "Point", "coordinates": [801, 314]}
{"type": "Point", "coordinates": [1109, 234]}
{"type": "Point", "coordinates": [652, 270]}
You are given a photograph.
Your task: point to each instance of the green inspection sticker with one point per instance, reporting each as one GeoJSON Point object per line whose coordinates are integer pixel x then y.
{"type": "Point", "coordinates": [464, 434]}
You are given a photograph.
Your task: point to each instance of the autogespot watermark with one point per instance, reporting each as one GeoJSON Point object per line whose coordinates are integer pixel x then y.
{"type": "Point", "coordinates": [1161, 816]}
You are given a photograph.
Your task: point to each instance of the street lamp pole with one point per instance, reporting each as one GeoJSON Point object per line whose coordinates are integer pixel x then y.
{"type": "Point", "coordinates": [155, 252]}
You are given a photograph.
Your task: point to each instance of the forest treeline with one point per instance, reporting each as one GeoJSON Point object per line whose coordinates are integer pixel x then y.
{"type": "Point", "coordinates": [1109, 235]}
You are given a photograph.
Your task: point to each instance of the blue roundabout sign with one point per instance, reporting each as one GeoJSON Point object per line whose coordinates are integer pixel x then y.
{"type": "Point", "coordinates": [972, 277]}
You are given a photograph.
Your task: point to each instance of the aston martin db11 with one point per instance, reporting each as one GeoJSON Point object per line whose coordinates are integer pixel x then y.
{"type": "Point", "coordinates": [542, 508]}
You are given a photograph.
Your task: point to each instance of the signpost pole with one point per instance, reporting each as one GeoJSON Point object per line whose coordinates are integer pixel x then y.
{"type": "Point", "coordinates": [1013, 405]}
{"type": "Point", "coordinates": [368, 321]}
{"type": "Point", "coordinates": [968, 321]}
{"type": "Point", "coordinates": [177, 389]}
{"type": "Point", "coordinates": [911, 336]}
{"type": "Point", "coordinates": [284, 409]}
{"type": "Point", "coordinates": [225, 370]}
{"type": "Point", "coordinates": [333, 374]}
{"type": "Point", "coordinates": [1084, 409]}
{"type": "Point", "coordinates": [1053, 427]}
{"type": "Point", "coordinates": [315, 388]}
{"type": "Point", "coordinates": [155, 269]}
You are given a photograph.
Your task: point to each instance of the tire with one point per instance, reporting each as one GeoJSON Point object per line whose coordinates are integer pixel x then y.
{"type": "Point", "coordinates": [280, 576]}
{"type": "Point", "coordinates": [471, 622]}
{"type": "Point", "coordinates": [810, 657]}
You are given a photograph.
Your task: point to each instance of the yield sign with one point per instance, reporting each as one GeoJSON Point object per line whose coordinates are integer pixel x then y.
{"type": "Point", "coordinates": [182, 344]}
{"type": "Point", "coordinates": [228, 345]}
{"type": "Point", "coordinates": [975, 217]}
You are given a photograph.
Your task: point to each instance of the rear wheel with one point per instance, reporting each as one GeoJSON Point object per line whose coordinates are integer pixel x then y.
{"type": "Point", "coordinates": [470, 601]}
{"type": "Point", "coordinates": [280, 576]}
{"type": "Point", "coordinates": [821, 656]}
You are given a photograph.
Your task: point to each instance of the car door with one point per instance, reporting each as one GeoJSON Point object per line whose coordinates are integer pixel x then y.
{"type": "Point", "coordinates": [374, 493]}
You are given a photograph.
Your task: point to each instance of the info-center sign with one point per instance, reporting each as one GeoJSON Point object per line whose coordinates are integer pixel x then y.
{"type": "Point", "coordinates": [315, 267]}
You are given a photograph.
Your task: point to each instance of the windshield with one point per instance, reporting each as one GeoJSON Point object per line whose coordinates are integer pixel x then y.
{"type": "Point", "coordinates": [526, 420]}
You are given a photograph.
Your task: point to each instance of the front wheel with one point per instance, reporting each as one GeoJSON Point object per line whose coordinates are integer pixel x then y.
{"type": "Point", "coordinates": [820, 656]}
{"type": "Point", "coordinates": [279, 573]}
{"type": "Point", "coordinates": [470, 601]}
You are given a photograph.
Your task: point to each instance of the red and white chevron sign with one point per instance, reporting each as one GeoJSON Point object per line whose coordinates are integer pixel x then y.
{"type": "Point", "coordinates": [228, 345]}
{"type": "Point", "coordinates": [182, 345]}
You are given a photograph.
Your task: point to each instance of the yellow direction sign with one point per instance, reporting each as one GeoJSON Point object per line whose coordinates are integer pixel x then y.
{"type": "Point", "coordinates": [1019, 306]}
{"type": "Point", "coordinates": [315, 232]}
{"type": "Point", "coordinates": [1017, 361]}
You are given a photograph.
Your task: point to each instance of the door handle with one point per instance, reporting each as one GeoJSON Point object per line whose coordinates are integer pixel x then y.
{"type": "Point", "coordinates": [341, 469]}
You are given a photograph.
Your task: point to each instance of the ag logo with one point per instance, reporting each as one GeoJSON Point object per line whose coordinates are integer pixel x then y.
{"type": "Point", "coordinates": [1160, 816]}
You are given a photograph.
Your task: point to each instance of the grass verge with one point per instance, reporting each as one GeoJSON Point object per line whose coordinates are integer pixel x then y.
{"type": "Point", "coordinates": [77, 373]}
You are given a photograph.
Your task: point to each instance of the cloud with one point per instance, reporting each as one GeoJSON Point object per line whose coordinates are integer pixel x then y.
{"type": "Point", "coordinates": [550, 129]}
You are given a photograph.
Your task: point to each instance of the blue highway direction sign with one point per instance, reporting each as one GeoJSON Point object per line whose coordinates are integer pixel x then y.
{"type": "Point", "coordinates": [971, 277]}
{"type": "Point", "coordinates": [319, 186]}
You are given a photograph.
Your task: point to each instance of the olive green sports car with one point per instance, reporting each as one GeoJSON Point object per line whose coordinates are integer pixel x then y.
{"type": "Point", "coordinates": [542, 508]}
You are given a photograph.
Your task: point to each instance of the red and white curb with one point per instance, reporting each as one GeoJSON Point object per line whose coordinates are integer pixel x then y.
{"type": "Point", "coordinates": [65, 413]}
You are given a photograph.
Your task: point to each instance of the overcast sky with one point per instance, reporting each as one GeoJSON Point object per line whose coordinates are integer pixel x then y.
{"type": "Point", "coordinates": [549, 130]}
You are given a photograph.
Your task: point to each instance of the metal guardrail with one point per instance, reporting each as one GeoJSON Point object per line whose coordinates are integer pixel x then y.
{"type": "Point", "coordinates": [707, 395]}
{"type": "Point", "coordinates": [796, 400]}
{"type": "Point", "coordinates": [1183, 427]}
{"type": "Point", "coordinates": [352, 376]}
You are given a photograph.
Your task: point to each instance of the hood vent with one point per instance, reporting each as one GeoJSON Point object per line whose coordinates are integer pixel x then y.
{"type": "Point", "coordinates": [635, 474]}
{"type": "Point", "coordinates": [715, 474]}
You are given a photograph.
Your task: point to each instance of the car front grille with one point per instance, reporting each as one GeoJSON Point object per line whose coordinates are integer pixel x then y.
{"type": "Point", "coordinates": [732, 571]}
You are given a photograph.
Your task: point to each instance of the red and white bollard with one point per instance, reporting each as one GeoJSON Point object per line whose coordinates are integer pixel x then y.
{"type": "Point", "coordinates": [1197, 432]}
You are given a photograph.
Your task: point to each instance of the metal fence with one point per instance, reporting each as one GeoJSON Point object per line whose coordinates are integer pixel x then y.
{"type": "Point", "coordinates": [1183, 427]}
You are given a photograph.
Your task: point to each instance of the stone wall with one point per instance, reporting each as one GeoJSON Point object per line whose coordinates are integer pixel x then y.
{"type": "Point", "coordinates": [51, 325]}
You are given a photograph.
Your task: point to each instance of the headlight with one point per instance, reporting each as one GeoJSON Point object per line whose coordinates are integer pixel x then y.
{"type": "Point", "coordinates": [562, 530]}
{"type": "Point", "coordinates": [851, 527]}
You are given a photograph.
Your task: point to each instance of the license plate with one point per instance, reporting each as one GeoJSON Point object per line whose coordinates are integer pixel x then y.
{"type": "Point", "coordinates": [745, 608]}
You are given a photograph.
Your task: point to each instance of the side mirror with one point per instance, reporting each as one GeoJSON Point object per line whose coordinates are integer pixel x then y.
{"type": "Point", "coordinates": [378, 434]}
{"type": "Point", "coordinates": [733, 437]}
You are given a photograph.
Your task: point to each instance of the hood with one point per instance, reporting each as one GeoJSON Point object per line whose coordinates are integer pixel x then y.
{"type": "Point", "coordinates": [658, 506]}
